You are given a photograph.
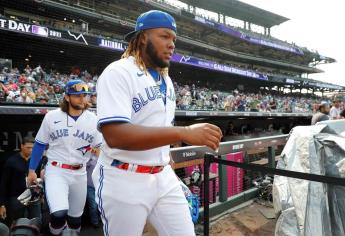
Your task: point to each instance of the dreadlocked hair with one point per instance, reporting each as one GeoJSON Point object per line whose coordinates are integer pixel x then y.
{"type": "Point", "coordinates": [134, 49]}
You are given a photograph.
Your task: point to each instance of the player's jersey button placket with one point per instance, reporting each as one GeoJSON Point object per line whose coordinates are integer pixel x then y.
{"type": "Point", "coordinates": [75, 142]}
{"type": "Point", "coordinates": [166, 108]}
{"type": "Point", "coordinates": [81, 143]}
{"type": "Point", "coordinates": [155, 83]}
{"type": "Point", "coordinates": [70, 142]}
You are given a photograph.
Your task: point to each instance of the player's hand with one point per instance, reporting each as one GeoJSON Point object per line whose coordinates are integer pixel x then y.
{"type": "Point", "coordinates": [3, 212]}
{"type": "Point", "coordinates": [96, 151]}
{"type": "Point", "coordinates": [32, 177]}
{"type": "Point", "coordinates": [202, 134]}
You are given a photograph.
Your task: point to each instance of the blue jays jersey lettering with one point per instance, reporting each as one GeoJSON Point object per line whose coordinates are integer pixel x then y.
{"type": "Point", "coordinates": [151, 93]}
{"type": "Point", "coordinates": [60, 133]}
{"type": "Point", "coordinates": [127, 94]}
{"type": "Point", "coordinates": [70, 141]}
{"type": "Point", "coordinates": [84, 135]}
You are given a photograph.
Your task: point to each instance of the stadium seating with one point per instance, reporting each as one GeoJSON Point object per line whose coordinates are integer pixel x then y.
{"type": "Point", "coordinates": [36, 85]}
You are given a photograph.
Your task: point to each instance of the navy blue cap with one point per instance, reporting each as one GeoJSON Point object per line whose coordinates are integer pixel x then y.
{"type": "Point", "coordinates": [151, 20]}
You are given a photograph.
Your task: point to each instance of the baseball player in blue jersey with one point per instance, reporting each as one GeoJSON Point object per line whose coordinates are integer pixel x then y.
{"type": "Point", "coordinates": [135, 109]}
{"type": "Point", "coordinates": [71, 134]}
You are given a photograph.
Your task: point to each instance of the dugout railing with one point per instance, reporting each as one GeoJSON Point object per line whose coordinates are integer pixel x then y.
{"type": "Point", "coordinates": [272, 141]}
{"type": "Point", "coordinates": [194, 155]}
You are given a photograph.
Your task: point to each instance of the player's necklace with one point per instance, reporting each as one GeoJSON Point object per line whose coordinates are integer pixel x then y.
{"type": "Point", "coordinates": [159, 80]}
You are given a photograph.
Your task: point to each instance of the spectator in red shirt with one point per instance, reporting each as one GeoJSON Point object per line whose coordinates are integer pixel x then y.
{"type": "Point", "coordinates": [22, 79]}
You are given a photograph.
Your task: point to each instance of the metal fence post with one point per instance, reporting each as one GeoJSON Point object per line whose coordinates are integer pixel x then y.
{"type": "Point", "coordinates": [207, 163]}
{"type": "Point", "coordinates": [271, 157]}
{"type": "Point", "coordinates": [223, 181]}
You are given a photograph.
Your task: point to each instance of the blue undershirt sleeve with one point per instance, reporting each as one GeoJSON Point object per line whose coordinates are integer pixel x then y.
{"type": "Point", "coordinates": [36, 155]}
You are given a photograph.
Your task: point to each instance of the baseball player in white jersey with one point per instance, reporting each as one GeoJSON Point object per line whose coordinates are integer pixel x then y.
{"type": "Point", "coordinates": [135, 109]}
{"type": "Point", "coordinates": [71, 134]}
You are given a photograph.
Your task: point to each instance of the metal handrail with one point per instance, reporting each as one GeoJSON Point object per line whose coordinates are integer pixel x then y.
{"type": "Point", "coordinates": [189, 153]}
{"type": "Point", "coordinates": [181, 154]}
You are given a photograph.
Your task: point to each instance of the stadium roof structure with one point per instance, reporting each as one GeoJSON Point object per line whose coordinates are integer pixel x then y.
{"type": "Point", "coordinates": [240, 10]}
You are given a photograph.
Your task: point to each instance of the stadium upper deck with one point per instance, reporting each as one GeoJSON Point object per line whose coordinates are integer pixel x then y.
{"type": "Point", "coordinates": [199, 44]}
{"type": "Point", "coordinates": [221, 36]}
{"type": "Point", "coordinates": [216, 38]}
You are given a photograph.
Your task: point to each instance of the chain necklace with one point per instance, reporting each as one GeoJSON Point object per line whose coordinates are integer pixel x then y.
{"type": "Point", "coordinates": [159, 80]}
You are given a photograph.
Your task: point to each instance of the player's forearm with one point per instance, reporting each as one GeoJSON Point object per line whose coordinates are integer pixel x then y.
{"type": "Point", "coordinates": [36, 155]}
{"type": "Point", "coordinates": [136, 138]}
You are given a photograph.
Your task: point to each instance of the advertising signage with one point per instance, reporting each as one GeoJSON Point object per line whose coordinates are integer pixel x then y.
{"type": "Point", "coordinates": [193, 61]}
{"type": "Point", "coordinates": [118, 45]}
{"type": "Point", "coordinates": [38, 30]}
{"type": "Point", "coordinates": [80, 38]}
{"type": "Point", "coordinates": [248, 38]}
{"type": "Point", "coordinates": [113, 44]}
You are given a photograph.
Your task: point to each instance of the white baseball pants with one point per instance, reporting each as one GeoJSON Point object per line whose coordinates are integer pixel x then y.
{"type": "Point", "coordinates": [127, 200]}
{"type": "Point", "coordinates": [65, 190]}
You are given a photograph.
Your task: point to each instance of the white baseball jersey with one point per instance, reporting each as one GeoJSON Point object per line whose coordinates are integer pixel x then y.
{"type": "Point", "coordinates": [334, 113]}
{"type": "Point", "coordinates": [126, 94]}
{"type": "Point", "coordinates": [70, 141]}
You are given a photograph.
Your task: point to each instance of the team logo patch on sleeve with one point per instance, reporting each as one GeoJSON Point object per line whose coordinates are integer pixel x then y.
{"type": "Point", "coordinates": [85, 149]}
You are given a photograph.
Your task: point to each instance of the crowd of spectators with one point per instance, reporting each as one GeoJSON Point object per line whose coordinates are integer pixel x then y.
{"type": "Point", "coordinates": [36, 85]}
{"type": "Point", "coordinates": [203, 98]}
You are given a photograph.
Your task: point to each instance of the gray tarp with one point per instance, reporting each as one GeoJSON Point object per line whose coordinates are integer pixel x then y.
{"type": "Point", "coordinates": [309, 208]}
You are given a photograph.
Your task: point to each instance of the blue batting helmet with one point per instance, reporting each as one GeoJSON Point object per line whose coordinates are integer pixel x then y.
{"type": "Point", "coordinates": [151, 20]}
